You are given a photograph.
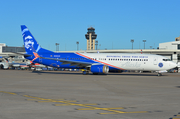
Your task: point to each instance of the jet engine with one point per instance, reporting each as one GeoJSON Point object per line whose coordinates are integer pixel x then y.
{"type": "Point", "coordinates": [95, 69]}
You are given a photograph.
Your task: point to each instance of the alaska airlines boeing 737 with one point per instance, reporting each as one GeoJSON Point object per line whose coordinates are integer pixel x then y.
{"type": "Point", "coordinates": [93, 62]}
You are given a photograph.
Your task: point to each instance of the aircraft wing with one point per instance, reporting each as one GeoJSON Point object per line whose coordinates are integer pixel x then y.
{"type": "Point", "coordinates": [72, 63]}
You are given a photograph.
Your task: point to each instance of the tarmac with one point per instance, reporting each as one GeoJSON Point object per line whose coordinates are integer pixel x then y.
{"type": "Point", "coordinates": [71, 95]}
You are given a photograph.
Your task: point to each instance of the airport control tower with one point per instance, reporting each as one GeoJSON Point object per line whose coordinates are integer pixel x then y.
{"type": "Point", "coordinates": [91, 36]}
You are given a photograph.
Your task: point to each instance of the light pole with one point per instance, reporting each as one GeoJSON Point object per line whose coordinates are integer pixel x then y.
{"type": "Point", "coordinates": [144, 43]}
{"type": "Point", "coordinates": [132, 40]}
{"type": "Point", "coordinates": [57, 46]}
{"type": "Point", "coordinates": [96, 44]}
{"type": "Point", "coordinates": [77, 45]}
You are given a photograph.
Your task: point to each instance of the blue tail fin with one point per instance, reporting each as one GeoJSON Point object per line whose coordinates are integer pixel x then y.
{"type": "Point", "coordinates": [30, 44]}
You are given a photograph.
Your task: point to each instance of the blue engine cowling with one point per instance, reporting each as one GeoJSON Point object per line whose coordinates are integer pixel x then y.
{"type": "Point", "coordinates": [99, 69]}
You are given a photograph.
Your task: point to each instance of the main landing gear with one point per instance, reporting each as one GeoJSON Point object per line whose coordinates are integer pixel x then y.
{"type": "Point", "coordinates": [159, 74]}
{"type": "Point", "coordinates": [85, 72]}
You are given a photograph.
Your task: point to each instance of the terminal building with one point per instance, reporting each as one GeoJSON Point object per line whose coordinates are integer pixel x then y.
{"type": "Point", "coordinates": [4, 49]}
{"type": "Point", "coordinates": [7, 51]}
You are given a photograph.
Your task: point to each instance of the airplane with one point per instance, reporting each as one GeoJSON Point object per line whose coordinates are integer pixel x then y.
{"type": "Point", "coordinates": [96, 63]}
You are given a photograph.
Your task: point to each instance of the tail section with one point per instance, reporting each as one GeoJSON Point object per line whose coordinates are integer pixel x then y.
{"type": "Point", "coordinates": [30, 44]}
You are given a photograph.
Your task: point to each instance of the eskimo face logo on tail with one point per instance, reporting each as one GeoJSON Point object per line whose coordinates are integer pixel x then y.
{"type": "Point", "coordinates": [24, 30]}
{"type": "Point", "coordinates": [28, 37]}
{"type": "Point", "coordinates": [28, 42]}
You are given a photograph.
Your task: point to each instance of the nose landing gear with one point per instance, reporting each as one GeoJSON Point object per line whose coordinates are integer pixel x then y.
{"type": "Point", "coordinates": [159, 74]}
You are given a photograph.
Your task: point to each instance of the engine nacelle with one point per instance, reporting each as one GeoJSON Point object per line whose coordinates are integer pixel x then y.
{"type": "Point", "coordinates": [99, 69]}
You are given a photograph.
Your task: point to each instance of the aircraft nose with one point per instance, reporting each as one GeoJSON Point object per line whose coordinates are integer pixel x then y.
{"type": "Point", "coordinates": [173, 64]}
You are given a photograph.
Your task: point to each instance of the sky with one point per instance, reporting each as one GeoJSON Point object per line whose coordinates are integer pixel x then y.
{"type": "Point", "coordinates": [116, 22]}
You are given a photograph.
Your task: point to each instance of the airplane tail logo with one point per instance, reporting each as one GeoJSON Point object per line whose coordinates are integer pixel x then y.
{"type": "Point", "coordinates": [30, 43]}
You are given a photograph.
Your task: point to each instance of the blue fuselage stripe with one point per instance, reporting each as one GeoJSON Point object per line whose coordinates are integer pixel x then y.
{"type": "Point", "coordinates": [63, 56]}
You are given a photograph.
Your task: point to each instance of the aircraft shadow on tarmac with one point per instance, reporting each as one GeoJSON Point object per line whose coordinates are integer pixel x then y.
{"type": "Point", "coordinates": [80, 73]}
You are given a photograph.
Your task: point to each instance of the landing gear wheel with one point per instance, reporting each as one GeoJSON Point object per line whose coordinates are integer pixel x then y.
{"type": "Point", "coordinates": [85, 72]}
{"type": "Point", "coordinates": [95, 73]}
{"type": "Point", "coordinates": [159, 74]}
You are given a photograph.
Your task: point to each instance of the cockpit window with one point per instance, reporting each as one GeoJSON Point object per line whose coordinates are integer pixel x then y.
{"type": "Point", "coordinates": [166, 60]}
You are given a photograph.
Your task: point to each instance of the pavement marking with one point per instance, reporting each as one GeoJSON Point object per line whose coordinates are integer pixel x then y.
{"type": "Point", "coordinates": [124, 112]}
{"type": "Point", "coordinates": [59, 101]}
{"type": "Point", "coordinates": [176, 117]}
{"type": "Point", "coordinates": [8, 92]}
{"type": "Point", "coordinates": [99, 108]}
{"type": "Point", "coordinates": [36, 97]}
{"type": "Point", "coordinates": [114, 110]}
{"type": "Point", "coordinates": [45, 101]}
{"type": "Point", "coordinates": [69, 104]}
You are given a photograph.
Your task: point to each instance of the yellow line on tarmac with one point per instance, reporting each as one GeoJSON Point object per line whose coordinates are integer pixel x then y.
{"type": "Point", "coordinates": [175, 118]}
{"type": "Point", "coordinates": [111, 110]}
{"type": "Point", "coordinates": [177, 115]}
{"type": "Point", "coordinates": [37, 98]}
{"type": "Point", "coordinates": [96, 108]}
{"type": "Point", "coordinates": [59, 101]}
{"type": "Point", "coordinates": [61, 104]}
{"type": "Point", "coordinates": [138, 112]}
{"type": "Point", "coordinates": [123, 112]}
{"type": "Point", "coordinates": [99, 108]}
{"type": "Point", "coordinates": [8, 92]}
{"type": "Point", "coordinates": [109, 113]}
{"type": "Point", "coordinates": [71, 104]}
{"type": "Point", "coordinates": [31, 99]}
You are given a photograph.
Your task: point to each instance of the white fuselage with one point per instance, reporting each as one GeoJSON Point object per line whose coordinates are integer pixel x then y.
{"type": "Point", "coordinates": [126, 61]}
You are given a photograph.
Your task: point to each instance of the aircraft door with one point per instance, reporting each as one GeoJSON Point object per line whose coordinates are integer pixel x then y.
{"type": "Point", "coordinates": [155, 60]}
